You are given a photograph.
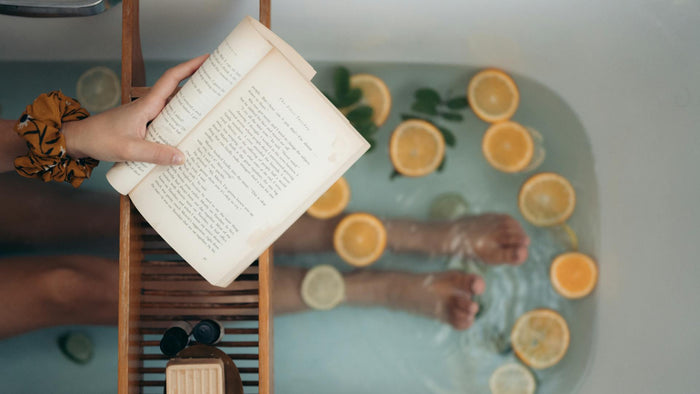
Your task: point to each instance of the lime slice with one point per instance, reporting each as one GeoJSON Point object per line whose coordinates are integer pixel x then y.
{"type": "Point", "coordinates": [98, 89]}
{"type": "Point", "coordinates": [539, 154]}
{"type": "Point", "coordinates": [566, 236]}
{"type": "Point", "coordinates": [512, 378]}
{"type": "Point", "coordinates": [76, 346]}
{"type": "Point", "coordinates": [448, 206]}
{"type": "Point", "coordinates": [323, 287]}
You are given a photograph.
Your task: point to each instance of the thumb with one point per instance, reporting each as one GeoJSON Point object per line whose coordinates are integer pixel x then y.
{"type": "Point", "coordinates": [152, 152]}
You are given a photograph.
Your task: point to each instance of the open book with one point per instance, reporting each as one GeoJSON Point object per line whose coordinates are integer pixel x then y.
{"type": "Point", "coordinates": [261, 144]}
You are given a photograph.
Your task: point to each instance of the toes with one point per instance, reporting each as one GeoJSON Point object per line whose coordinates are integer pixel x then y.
{"type": "Point", "coordinates": [462, 312]}
{"type": "Point", "coordinates": [478, 285]}
{"type": "Point", "coordinates": [513, 255]}
{"type": "Point", "coordinates": [467, 284]}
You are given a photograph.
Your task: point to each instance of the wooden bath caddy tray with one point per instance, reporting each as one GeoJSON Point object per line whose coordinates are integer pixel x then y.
{"type": "Point", "coordinates": [157, 287]}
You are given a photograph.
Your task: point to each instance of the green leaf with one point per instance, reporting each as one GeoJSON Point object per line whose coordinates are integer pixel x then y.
{"type": "Point", "coordinates": [451, 116]}
{"type": "Point", "coordinates": [394, 174]}
{"type": "Point", "coordinates": [372, 144]}
{"type": "Point", "coordinates": [457, 103]}
{"type": "Point", "coordinates": [341, 81]}
{"type": "Point", "coordinates": [442, 165]}
{"type": "Point", "coordinates": [351, 97]}
{"type": "Point", "coordinates": [330, 98]}
{"type": "Point", "coordinates": [411, 116]}
{"type": "Point", "coordinates": [367, 129]}
{"type": "Point", "coordinates": [428, 95]}
{"type": "Point", "coordinates": [360, 115]}
{"type": "Point", "coordinates": [425, 107]}
{"type": "Point", "coordinates": [449, 137]}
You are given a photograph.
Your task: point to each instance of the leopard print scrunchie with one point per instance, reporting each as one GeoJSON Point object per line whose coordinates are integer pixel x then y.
{"type": "Point", "coordinates": [40, 126]}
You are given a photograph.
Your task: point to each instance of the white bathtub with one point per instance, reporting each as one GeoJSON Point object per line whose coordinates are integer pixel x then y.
{"type": "Point", "coordinates": [629, 69]}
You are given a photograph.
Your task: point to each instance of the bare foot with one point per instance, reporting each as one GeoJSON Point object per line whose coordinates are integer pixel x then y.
{"type": "Point", "coordinates": [491, 238]}
{"type": "Point", "coordinates": [446, 296]}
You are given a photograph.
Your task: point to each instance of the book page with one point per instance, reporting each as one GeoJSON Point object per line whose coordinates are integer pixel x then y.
{"type": "Point", "coordinates": [235, 57]}
{"type": "Point", "coordinates": [255, 164]}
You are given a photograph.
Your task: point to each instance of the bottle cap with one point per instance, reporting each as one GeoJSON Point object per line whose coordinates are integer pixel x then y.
{"type": "Point", "coordinates": [208, 332]}
{"type": "Point", "coordinates": [174, 339]}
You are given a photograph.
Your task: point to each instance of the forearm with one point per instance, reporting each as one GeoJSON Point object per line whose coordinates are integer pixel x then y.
{"type": "Point", "coordinates": [11, 145]}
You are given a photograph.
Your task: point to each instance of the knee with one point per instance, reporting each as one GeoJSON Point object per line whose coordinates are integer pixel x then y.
{"type": "Point", "coordinates": [64, 286]}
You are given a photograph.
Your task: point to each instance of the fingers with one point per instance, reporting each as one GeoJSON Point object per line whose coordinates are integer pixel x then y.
{"type": "Point", "coordinates": [152, 152]}
{"type": "Point", "coordinates": [167, 83]}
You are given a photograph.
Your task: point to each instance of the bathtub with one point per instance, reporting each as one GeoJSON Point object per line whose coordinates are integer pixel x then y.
{"type": "Point", "coordinates": [630, 72]}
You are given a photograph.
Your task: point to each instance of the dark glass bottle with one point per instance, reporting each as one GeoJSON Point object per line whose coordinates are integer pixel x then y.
{"type": "Point", "coordinates": [175, 338]}
{"type": "Point", "coordinates": [208, 332]}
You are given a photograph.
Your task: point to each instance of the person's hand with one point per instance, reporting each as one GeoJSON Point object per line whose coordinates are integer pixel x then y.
{"type": "Point", "coordinates": [118, 134]}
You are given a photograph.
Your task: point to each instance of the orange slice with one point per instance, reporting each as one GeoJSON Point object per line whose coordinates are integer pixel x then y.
{"type": "Point", "coordinates": [573, 275]}
{"type": "Point", "coordinates": [512, 378]}
{"type": "Point", "coordinates": [416, 148]}
{"type": "Point", "coordinates": [360, 239]}
{"type": "Point", "coordinates": [540, 338]}
{"type": "Point", "coordinates": [375, 93]}
{"type": "Point", "coordinates": [508, 146]}
{"type": "Point", "coordinates": [332, 202]}
{"type": "Point", "coordinates": [547, 199]}
{"type": "Point", "coordinates": [493, 95]}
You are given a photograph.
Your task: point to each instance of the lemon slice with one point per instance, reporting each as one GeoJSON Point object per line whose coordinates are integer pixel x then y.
{"type": "Point", "coordinates": [416, 148]}
{"type": "Point", "coordinates": [323, 287]}
{"type": "Point", "coordinates": [375, 93]}
{"type": "Point", "coordinates": [360, 239]}
{"type": "Point", "coordinates": [512, 378]}
{"type": "Point", "coordinates": [540, 338]}
{"type": "Point", "coordinates": [98, 89]}
{"type": "Point", "coordinates": [493, 95]}
{"type": "Point", "coordinates": [332, 202]}
{"type": "Point", "coordinates": [573, 275]}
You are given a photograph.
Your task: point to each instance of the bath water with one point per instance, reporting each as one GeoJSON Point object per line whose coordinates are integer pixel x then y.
{"type": "Point", "coordinates": [371, 349]}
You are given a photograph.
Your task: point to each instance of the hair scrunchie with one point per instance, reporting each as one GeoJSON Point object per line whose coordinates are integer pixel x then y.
{"type": "Point", "coordinates": [40, 126]}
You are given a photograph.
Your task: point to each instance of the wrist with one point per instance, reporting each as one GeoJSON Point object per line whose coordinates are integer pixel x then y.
{"type": "Point", "coordinates": [72, 133]}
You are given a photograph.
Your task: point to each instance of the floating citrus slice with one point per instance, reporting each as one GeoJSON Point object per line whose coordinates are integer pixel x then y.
{"type": "Point", "coordinates": [98, 89]}
{"type": "Point", "coordinates": [332, 202]}
{"type": "Point", "coordinates": [547, 199]}
{"type": "Point", "coordinates": [448, 206]}
{"type": "Point", "coordinates": [540, 338]}
{"type": "Point", "coordinates": [360, 239]}
{"type": "Point", "coordinates": [416, 148]}
{"type": "Point", "coordinates": [512, 378]}
{"type": "Point", "coordinates": [323, 287]}
{"type": "Point", "coordinates": [573, 275]}
{"type": "Point", "coordinates": [375, 93]}
{"type": "Point", "coordinates": [508, 146]}
{"type": "Point", "coordinates": [493, 95]}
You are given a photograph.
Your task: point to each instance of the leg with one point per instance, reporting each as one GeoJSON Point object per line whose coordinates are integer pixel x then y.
{"type": "Point", "coordinates": [492, 238]}
{"type": "Point", "coordinates": [37, 214]}
{"type": "Point", "coordinates": [445, 295]}
{"type": "Point", "coordinates": [41, 292]}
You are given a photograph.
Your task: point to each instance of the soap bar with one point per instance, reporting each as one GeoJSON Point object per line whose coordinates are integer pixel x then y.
{"type": "Point", "coordinates": [194, 376]}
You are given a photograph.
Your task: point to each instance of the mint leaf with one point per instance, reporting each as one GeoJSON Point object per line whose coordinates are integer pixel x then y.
{"type": "Point", "coordinates": [457, 103]}
{"type": "Point", "coordinates": [449, 137]}
{"type": "Point", "coordinates": [451, 116]}
{"type": "Point", "coordinates": [341, 80]}
{"type": "Point", "coordinates": [428, 95]}
{"type": "Point", "coordinates": [350, 98]}
{"type": "Point", "coordinates": [425, 107]}
{"type": "Point", "coordinates": [360, 115]}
